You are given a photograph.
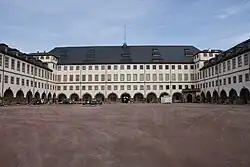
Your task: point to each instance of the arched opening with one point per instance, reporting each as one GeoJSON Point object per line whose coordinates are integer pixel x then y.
{"type": "Point", "coordinates": [99, 97]}
{"type": "Point", "coordinates": [112, 97]}
{"type": "Point", "coordinates": [233, 95]}
{"type": "Point", "coordinates": [203, 97]}
{"type": "Point", "coordinates": [19, 97]}
{"type": "Point", "coordinates": [37, 96]}
{"type": "Point", "coordinates": [54, 98]}
{"type": "Point", "coordinates": [86, 98]}
{"type": "Point", "coordinates": [198, 98]}
{"type": "Point", "coordinates": [209, 97]}
{"type": "Point", "coordinates": [138, 98]}
{"type": "Point", "coordinates": [8, 96]}
{"type": "Point", "coordinates": [61, 97]}
{"type": "Point", "coordinates": [151, 98]}
{"type": "Point", "coordinates": [215, 97]}
{"type": "Point", "coordinates": [44, 96]}
{"type": "Point", "coordinates": [162, 95]}
{"type": "Point", "coordinates": [49, 96]}
{"type": "Point", "coordinates": [74, 97]}
{"type": "Point", "coordinates": [189, 98]}
{"type": "Point", "coordinates": [29, 97]}
{"type": "Point", "coordinates": [177, 97]}
{"type": "Point", "coordinates": [245, 95]}
{"type": "Point", "coordinates": [223, 96]}
{"type": "Point", "coordinates": [125, 98]}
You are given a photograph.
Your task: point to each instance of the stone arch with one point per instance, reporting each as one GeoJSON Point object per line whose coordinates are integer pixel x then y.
{"type": "Point", "coordinates": [61, 97]}
{"type": "Point", "coordinates": [177, 97]}
{"type": "Point", "coordinates": [189, 98]}
{"type": "Point", "coordinates": [37, 96]}
{"type": "Point", "coordinates": [99, 97]}
{"type": "Point", "coordinates": [151, 98]}
{"type": "Point", "coordinates": [223, 96]}
{"type": "Point", "coordinates": [112, 97]}
{"type": "Point", "coordinates": [8, 96]}
{"type": "Point", "coordinates": [54, 98]}
{"type": "Point", "coordinates": [215, 97]}
{"type": "Point", "coordinates": [138, 97]}
{"type": "Point", "coordinates": [163, 94]}
{"type": "Point", "coordinates": [87, 97]}
{"type": "Point", "coordinates": [233, 95]}
{"type": "Point", "coordinates": [203, 97]}
{"type": "Point", "coordinates": [209, 97]}
{"type": "Point", "coordinates": [74, 97]}
{"type": "Point", "coordinates": [49, 96]}
{"type": "Point", "coordinates": [125, 98]}
{"type": "Point", "coordinates": [245, 95]}
{"type": "Point", "coordinates": [44, 96]}
{"type": "Point", "coordinates": [29, 97]}
{"type": "Point", "coordinates": [19, 97]}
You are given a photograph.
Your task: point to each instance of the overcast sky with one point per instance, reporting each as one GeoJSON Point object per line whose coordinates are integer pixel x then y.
{"type": "Point", "coordinates": [32, 25]}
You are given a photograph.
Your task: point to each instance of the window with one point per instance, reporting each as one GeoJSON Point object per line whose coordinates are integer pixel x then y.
{"type": "Point", "coordinates": [6, 63]}
{"type": "Point", "coordinates": [71, 78]}
{"type": "Point", "coordinates": [83, 87]}
{"type": "Point", "coordinates": [148, 87]}
{"type": "Point", "coordinates": [83, 77]}
{"type": "Point", "coordinates": [6, 78]}
{"type": "Point", "coordinates": [59, 78]}
{"type": "Point", "coordinates": [160, 77]}
{"type": "Point", "coordinates": [220, 82]}
{"type": "Point", "coordinates": [134, 67]}
{"type": "Point", "coordinates": [239, 61]}
{"type": "Point", "coordinates": [70, 87]}
{"type": "Point", "coordinates": [180, 87]}
{"type": "Point", "coordinates": [39, 72]}
{"type": "Point", "coordinates": [11, 80]}
{"type": "Point", "coordinates": [154, 87]}
{"type": "Point", "coordinates": [179, 77]}
{"type": "Point", "coordinates": [229, 80]}
{"type": "Point", "coordinates": [141, 87]}
{"type": "Point", "coordinates": [173, 87]}
{"type": "Point", "coordinates": [65, 78]}
{"type": "Point", "coordinates": [148, 67]}
{"type": "Point", "coordinates": [224, 66]}
{"type": "Point", "coordinates": [216, 83]}
{"type": "Point", "coordinates": [186, 77]}
{"type": "Point", "coordinates": [185, 67]}
{"type": "Point", "coordinates": [128, 67]}
{"type": "Point", "coordinates": [27, 82]}
{"type": "Point", "coordinates": [109, 67]}
{"type": "Point", "coordinates": [160, 67]}
{"type": "Point", "coordinates": [59, 68]}
{"type": "Point", "coordinates": [102, 87]}
{"type": "Point", "coordinates": [233, 63]}
{"type": "Point", "coordinates": [78, 68]}
{"type": "Point", "coordinates": [32, 69]}
{"type": "Point", "coordinates": [90, 67]}
{"type": "Point", "coordinates": [65, 68]}
{"type": "Point", "coordinates": [191, 67]}
{"type": "Point", "coordinates": [160, 87]}
{"type": "Point", "coordinates": [128, 87]}
{"type": "Point", "coordinates": [154, 67]}
{"type": "Point", "coordinates": [247, 77]}
{"type": "Point", "coordinates": [154, 77]}
{"type": "Point", "coordinates": [240, 78]}
{"type": "Point", "coordinates": [173, 67]}
{"type": "Point", "coordinates": [216, 69]}
{"type": "Point", "coordinates": [71, 68]}
{"type": "Point", "coordinates": [135, 87]}
{"type": "Point", "coordinates": [35, 71]}
{"type": "Point", "coordinates": [179, 67]}
{"type": "Point", "coordinates": [115, 67]}
{"type": "Point", "coordinates": [134, 77]}
{"type": "Point", "coordinates": [167, 87]}
{"type": "Point", "coordinates": [96, 77]}
{"type": "Point", "coordinates": [18, 81]}
{"type": "Point", "coordinates": [147, 77]}
{"type": "Point", "coordinates": [141, 67]}
{"type": "Point", "coordinates": [77, 87]}
{"type": "Point", "coordinates": [83, 67]}
{"type": "Point", "coordinates": [89, 77]}
{"type": "Point", "coordinates": [102, 77]}
{"type": "Point", "coordinates": [205, 54]}
{"type": "Point", "coordinates": [224, 81]}
{"type": "Point", "coordinates": [212, 83]}
{"type": "Point", "coordinates": [246, 59]}
{"type": "Point", "coordinates": [1, 59]}
{"type": "Point", "coordinates": [12, 64]}
{"type": "Point", "coordinates": [47, 57]}
{"type": "Point", "coordinates": [228, 65]}
{"type": "Point", "coordinates": [58, 87]}
{"type": "Point", "coordinates": [122, 67]}
{"type": "Point", "coordinates": [109, 77]}
{"type": "Point", "coordinates": [35, 84]}
{"type": "Point", "coordinates": [42, 85]}
{"type": "Point", "coordinates": [23, 82]}
{"type": "Point", "coordinates": [89, 87]}
{"type": "Point", "coordinates": [96, 67]}
{"type": "Point", "coordinates": [77, 77]}
{"type": "Point", "coordinates": [122, 77]}
{"type": "Point", "coordinates": [115, 87]}
{"type": "Point", "coordinates": [141, 77]}
{"type": "Point", "coordinates": [166, 67]}
{"type": "Point", "coordinates": [31, 83]}
{"type": "Point", "coordinates": [122, 87]}
{"type": "Point", "coordinates": [128, 77]}
{"type": "Point", "coordinates": [64, 87]}
{"type": "Point", "coordinates": [173, 77]}
{"type": "Point", "coordinates": [166, 77]}
{"type": "Point", "coordinates": [219, 68]}
{"type": "Point", "coordinates": [234, 79]}
{"type": "Point", "coordinates": [209, 84]}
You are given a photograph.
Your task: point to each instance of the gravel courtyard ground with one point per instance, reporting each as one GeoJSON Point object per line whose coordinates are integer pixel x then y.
{"type": "Point", "coordinates": [125, 135]}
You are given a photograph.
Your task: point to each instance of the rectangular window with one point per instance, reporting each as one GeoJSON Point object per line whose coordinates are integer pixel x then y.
{"type": "Point", "coordinates": [102, 87]}
{"type": "Point", "coordinates": [228, 65]}
{"type": "Point", "coordinates": [141, 77]}
{"type": "Point", "coordinates": [58, 87]}
{"type": "Point", "coordinates": [246, 59]}
{"type": "Point", "coordinates": [89, 87]}
{"type": "Point", "coordinates": [209, 84]}
{"type": "Point", "coordinates": [31, 83]}
{"type": "Point", "coordinates": [102, 77]}
{"type": "Point", "coordinates": [154, 77]}
{"type": "Point", "coordinates": [135, 87]}
{"type": "Point", "coordinates": [134, 67]}
{"type": "Point", "coordinates": [147, 77]}
{"type": "Point", "coordinates": [12, 64]}
{"type": "Point", "coordinates": [234, 79]}
{"type": "Point", "coordinates": [160, 67]}
{"type": "Point", "coordinates": [122, 87]}
{"type": "Point", "coordinates": [109, 67]}
{"type": "Point", "coordinates": [179, 67]}
{"type": "Point", "coordinates": [90, 67]}
{"type": "Point", "coordinates": [219, 68]}
{"type": "Point", "coordinates": [77, 77]}
{"type": "Point", "coordinates": [6, 63]}
{"type": "Point", "coordinates": [166, 67]}
{"type": "Point", "coordinates": [65, 69]}
{"type": "Point", "coordinates": [64, 87]}
{"type": "Point", "coordinates": [167, 87]}
{"type": "Point", "coordinates": [109, 77]}
{"type": "Point", "coordinates": [179, 77]}
{"type": "Point", "coordinates": [96, 77]}
{"type": "Point", "coordinates": [134, 77]}
{"type": "Point", "coordinates": [166, 77]}
{"type": "Point", "coordinates": [77, 87]}
{"type": "Point", "coordinates": [224, 81]}
{"type": "Point", "coordinates": [154, 87]}
{"type": "Point", "coordinates": [160, 77]}
{"type": "Point", "coordinates": [224, 66]}
{"type": "Point", "coordinates": [128, 67]}
{"type": "Point", "coordinates": [148, 67]}
{"type": "Point", "coordinates": [173, 87]}
{"type": "Point", "coordinates": [180, 87]}
{"type": "Point", "coordinates": [23, 82]}
{"type": "Point", "coordinates": [239, 61]}
{"type": "Point", "coordinates": [216, 83]}
{"type": "Point", "coordinates": [122, 77]}
{"type": "Point", "coordinates": [59, 68]}
{"type": "Point", "coordinates": [115, 67]}
{"type": "Point", "coordinates": [1, 59]}
{"type": "Point", "coordinates": [220, 82]}
{"type": "Point", "coordinates": [154, 67]}
{"type": "Point", "coordinates": [11, 80]}
{"type": "Point", "coordinates": [160, 87]}
{"type": "Point", "coordinates": [247, 77]}
{"type": "Point", "coordinates": [78, 68]}
{"type": "Point", "coordinates": [186, 77]}
{"type": "Point", "coordinates": [64, 78]}
{"type": "Point", "coordinates": [122, 67]}
{"type": "Point", "coordinates": [83, 67]}
{"type": "Point", "coordinates": [59, 78]}
{"type": "Point", "coordinates": [212, 83]}
{"type": "Point", "coordinates": [173, 77]}
{"type": "Point", "coordinates": [35, 71]}
{"type": "Point", "coordinates": [233, 63]}
{"type": "Point", "coordinates": [35, 84]}
{"type": "Point", "coordinates": [71, 78]}
{"type": "Point", "coordinates": [229, 80]}
{"type": "Point", "coordinates": [6, 79]}
{"type": "Point", "coordinates": [128, 87]}
{"type": "Point", "coordinates": [27, 82]}
{"type": "Point", "coordinates": [89, 77]}
{"type": "Point", "coordinates": [173, 67]}
{"type": "Point", "coordinates": [185, 67]}
{"type": "Point", "coordinates": [141, 67]}
{"type": "Point", "coordinates": [83, 87]}
{"type": "Point", "coordinates": [191, 67]}
{"type": "Point", "coordinates": [141, 87]}
{"type": "Point", "coordinates": [148, 87]}
{"type": "Point", "coordinates": [240, 78]}
{"type": "Point", "coordinates": [70, 87]}
{"type": "Point", "coordinates": [71, 68]}
{"type": "Point", "coordinates": [128, 77]}
{"type": "Point", "coordinates": [115, 87]}
{"type": "Point", "coordinates": [39, 72]}
{"type": "Point", "coordinates": [83, 77]}
{"type": "Point", "coordinates": [18, 81]}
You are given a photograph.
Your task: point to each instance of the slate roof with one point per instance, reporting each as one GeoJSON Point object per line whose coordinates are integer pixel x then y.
{"type": "Point", "coordinates": [124, 54]}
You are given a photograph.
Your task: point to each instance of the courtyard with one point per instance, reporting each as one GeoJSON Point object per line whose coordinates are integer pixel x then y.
{"type": "Point", "coordinates": [125, 135]}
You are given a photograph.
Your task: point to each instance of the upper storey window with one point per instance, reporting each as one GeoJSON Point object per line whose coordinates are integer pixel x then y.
{"type": "Point", "coordinates": [47, 57]}
{"type": "Point", "coordinates": [65, 68]}
{"type": "Point", "coordinates": [59, 68]}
